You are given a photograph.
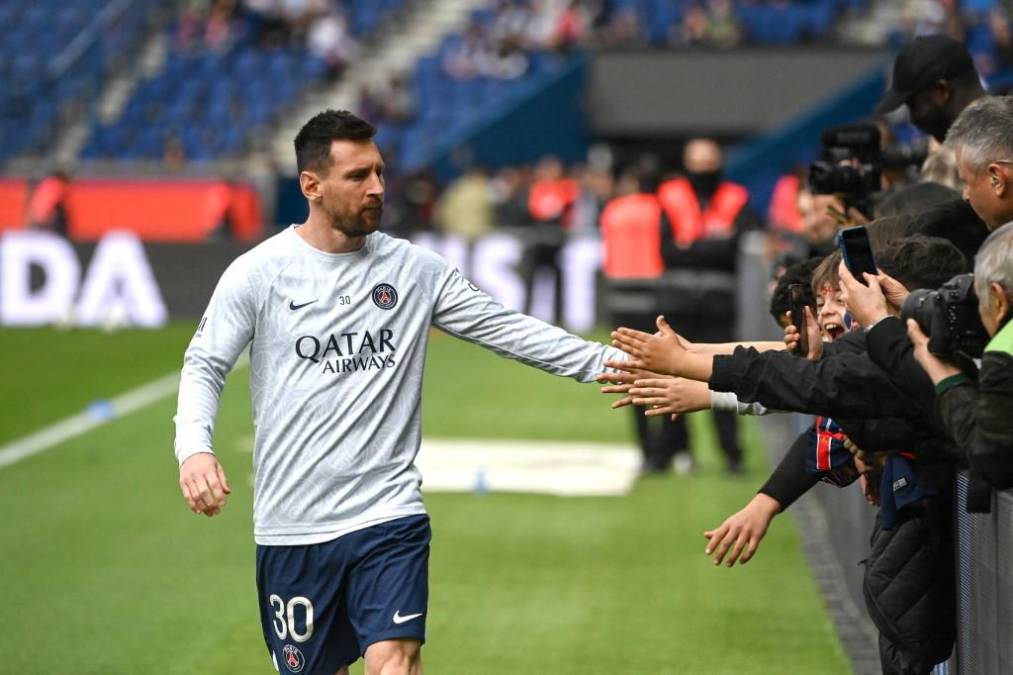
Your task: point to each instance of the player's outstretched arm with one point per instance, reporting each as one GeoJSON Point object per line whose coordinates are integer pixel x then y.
{"type": "Point", "coordinates": [203, 483]}
{"type": "Point", "coordinates": [740, 535]}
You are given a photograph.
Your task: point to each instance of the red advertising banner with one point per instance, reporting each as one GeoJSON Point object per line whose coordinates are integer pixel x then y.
{"type": "Point", "coordinates": [183, 211]}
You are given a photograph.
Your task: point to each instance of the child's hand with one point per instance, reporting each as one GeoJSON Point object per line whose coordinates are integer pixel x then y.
{"type": "Point", "coordinates": [661, 352]}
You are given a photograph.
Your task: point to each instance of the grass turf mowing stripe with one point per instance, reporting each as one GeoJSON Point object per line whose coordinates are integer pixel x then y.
{"type": "Point", "coordinates": [101, 412]}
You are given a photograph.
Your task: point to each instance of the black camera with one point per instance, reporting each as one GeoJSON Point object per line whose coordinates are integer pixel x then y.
{"type": "Point", "coordinates": [849, 165]}
{"type": "Point", "coordinates": [949, 316]}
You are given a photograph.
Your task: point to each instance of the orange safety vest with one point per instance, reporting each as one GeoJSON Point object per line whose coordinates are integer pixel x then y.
{"type": "Point", "coordinates": [784, 213]}
{"type": "Point", "coordinates": [551, 200]}
{"type": "Point", "coordinates": [689, 222]}
{"type": "Point", "coordinates": [630, 229]}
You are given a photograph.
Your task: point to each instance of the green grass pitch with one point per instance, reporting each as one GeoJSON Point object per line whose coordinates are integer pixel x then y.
{"type": "Point", "coordinates": [104, 570]}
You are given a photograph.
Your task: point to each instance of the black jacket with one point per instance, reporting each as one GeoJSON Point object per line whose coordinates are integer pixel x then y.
{"type": "Point", "coordinates": [840, 385]}
{"type": "Point", "coordinates": [891, 349]}
{"type": "Point", "coordinates": [980, 418]}
{"type": "Point", "coordinates": [909, 588]}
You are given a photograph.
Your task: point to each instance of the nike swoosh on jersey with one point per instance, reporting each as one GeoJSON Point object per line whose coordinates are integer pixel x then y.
{"type": "Point", "coordinates": [408, 617]}
{"type": "Point", "coordinates": [292, 305]}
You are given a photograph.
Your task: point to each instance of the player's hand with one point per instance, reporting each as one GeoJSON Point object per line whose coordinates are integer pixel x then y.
{"type": "Point", "coordinates": [621, 381]}
{"type": "Point", "coordinates": [740, 535]}
{"type": "Point", "coordinates": [618, 383]}
{"type": "Point", "coordinates": [203, 483]}
{"type": "Point", "coordinates": [671, 395]}
{"type": "Point", "coordinates": [660, 353]}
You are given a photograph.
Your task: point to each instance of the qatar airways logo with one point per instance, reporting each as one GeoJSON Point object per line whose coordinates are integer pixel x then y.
{"type": "Point", "coordinates": [348, 352]}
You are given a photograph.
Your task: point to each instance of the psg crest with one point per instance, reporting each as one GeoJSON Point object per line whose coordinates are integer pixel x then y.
{"type": "Point", "coordinates": [384, 296]}
{"type": "Point", "coordinates": [293, 658]}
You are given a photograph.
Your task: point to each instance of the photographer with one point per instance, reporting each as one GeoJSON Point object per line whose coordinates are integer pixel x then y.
{"type": "Point", "coordinates": [977, 414]}
{"type": "Point", "coordinates": [982, 139]}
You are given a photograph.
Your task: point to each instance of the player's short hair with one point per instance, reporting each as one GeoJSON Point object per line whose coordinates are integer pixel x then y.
{"type": "Point", "coordinates": [313, 142]}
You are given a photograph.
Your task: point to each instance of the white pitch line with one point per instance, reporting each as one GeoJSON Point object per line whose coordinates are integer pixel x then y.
{"type": "Point", "coordinates": [75, 425]}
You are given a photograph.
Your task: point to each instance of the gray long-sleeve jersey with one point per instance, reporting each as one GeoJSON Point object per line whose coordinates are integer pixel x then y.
{"type": "Point", "coordinates": [337, 349]}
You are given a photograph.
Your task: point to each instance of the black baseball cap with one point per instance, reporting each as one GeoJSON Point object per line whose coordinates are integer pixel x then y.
{"type": "Point", "coordinates": [923, 62]}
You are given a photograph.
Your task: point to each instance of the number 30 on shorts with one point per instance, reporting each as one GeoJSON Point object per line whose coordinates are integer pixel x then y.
{"type": "Point", "coordinates": [284, 621]}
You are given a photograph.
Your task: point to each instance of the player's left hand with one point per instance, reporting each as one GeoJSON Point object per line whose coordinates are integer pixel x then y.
{"type": "Point", "coordinates": [660, 353]}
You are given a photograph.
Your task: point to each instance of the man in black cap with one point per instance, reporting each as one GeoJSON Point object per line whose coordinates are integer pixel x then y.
{"type": "Point", "coordinates": [936, 78]}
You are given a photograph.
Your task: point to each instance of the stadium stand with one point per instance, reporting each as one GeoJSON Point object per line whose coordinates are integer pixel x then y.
{"type": "Point", "coordinates": [209, 100]}
{"type": "Point", "coordinates": [54, 55]}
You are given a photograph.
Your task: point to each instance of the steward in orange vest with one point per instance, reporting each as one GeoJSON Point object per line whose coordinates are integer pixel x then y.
{"type": "Point", "coordinates": [701, 230]}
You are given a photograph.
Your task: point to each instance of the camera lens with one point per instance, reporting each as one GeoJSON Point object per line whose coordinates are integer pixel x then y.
{"type": "Point", "coordinates": [919, 305]}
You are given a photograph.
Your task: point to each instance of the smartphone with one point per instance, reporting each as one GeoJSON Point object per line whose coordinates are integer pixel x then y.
{"type": "Point", "coordinates": [796, 297]}
{"type": "Point", "coordinates": [857, 251]}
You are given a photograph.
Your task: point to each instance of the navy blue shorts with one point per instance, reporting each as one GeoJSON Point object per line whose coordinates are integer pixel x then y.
{"type": "Point", "coordinates": [321, 605]}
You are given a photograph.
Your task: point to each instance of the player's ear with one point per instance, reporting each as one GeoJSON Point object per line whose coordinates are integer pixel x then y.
{"type": "Point", "coordinates": [309, 183]}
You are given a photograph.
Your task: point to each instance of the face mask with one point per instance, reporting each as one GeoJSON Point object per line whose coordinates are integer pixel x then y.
{"type": "Point", "coordinates": [705, 183]}
{"type": "Point", "coordinates": [933, 122]}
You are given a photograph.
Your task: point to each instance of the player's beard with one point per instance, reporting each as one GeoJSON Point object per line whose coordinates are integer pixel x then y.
{"type": "Point", "coordinates": [366, 221]}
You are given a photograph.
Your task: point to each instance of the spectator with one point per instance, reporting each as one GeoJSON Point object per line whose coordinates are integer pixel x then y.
{"type": "Point", "coordinates": [822, 216]}
{"type": "Point", "coordinates": [510, 25]}
{"type": "Point", "coordinates": [509, 192]}
{"type": "Point", "coordinates": [465, 208]}
{"type": "Point", "coordinates": [550, 209]}
{"type": "Point", "coordinates": [935, 78]}
{"type": "Point", "coordinates": [982, 142]}
{"type": "Point", "coordinates": [723, 29]}
{"type": "Point", "coordinates": [706, 214]}
{"type": "Point", "coordinates": [330, 40]}
{"type": "Point", "coordinates": [397, 105]}
{"type": "Point", "coordinates": [219, 28]}
{"type": "Point", "coordinates": [47, 207]}
{"type": "Point", "coordinates": [462, 61]}
{"type": "Point", "coordinates": [977, 413]}
{"type": "Point", "coordinates": [573, 26]}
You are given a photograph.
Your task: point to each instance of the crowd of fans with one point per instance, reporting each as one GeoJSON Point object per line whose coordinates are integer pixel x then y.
{"type": "Point", "coordinates": [905, 362]}
{"type": "Point", "coordinates": [903, 396]}
{"type": "Point", "coordinates": [320, 26]}
{"type": "Point", "coordinates": [984, 25]}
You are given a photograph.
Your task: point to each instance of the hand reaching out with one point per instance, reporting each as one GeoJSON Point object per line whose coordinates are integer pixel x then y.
{"type": "Point", "coordinates": [740, 535]}
{"type": "Point", "coordinates": [621, 382]}
{"type": "Point", "coordinates": [670, 395]}
{"type": "Point", "coordinates": [660, 353]}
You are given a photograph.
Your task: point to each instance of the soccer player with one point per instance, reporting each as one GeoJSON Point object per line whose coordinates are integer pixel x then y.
{"type": "Point", "coordinates": [338, 316]}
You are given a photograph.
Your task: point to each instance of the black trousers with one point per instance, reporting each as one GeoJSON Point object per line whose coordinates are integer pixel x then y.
{"type": "Point", "coordinates": [660, 442]}
{"type": "Point", "coordinates": [661, 439]}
